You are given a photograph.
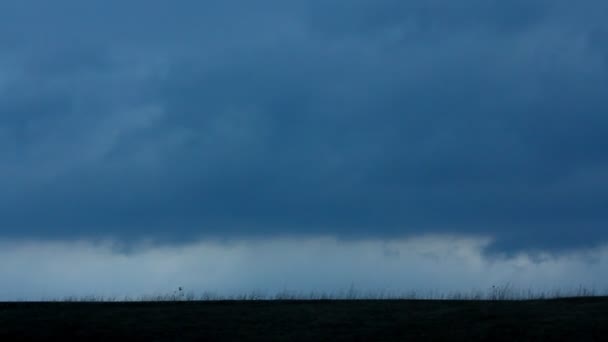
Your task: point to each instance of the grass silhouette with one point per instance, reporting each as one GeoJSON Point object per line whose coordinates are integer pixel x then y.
{"type": "Point", "coordinates": [506, 292]}
{"type": "Point", "coordinates": [499, 315]}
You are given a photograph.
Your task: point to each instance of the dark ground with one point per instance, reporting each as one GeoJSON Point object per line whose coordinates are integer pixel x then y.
{"type": "Point", "coordinates": [579, 319]}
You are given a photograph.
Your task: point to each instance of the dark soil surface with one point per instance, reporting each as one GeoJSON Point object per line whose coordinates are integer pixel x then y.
{"type": "Point", "coordinates": [578, 319]}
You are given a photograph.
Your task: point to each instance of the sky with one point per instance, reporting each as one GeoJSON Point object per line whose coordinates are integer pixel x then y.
{"type": "Point", "coordinates": [181, 133]}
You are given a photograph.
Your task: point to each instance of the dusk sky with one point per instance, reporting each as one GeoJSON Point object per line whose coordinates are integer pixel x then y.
{"type": "Point", "coordinates": [236, 145]}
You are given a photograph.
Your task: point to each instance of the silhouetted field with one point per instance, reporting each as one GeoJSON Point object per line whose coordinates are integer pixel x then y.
{"type": "Point", "coordinates": [574, 319]}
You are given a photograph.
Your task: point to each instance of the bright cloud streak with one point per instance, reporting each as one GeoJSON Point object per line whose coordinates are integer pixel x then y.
{"type": "Point", "coordinates": [54, 270]}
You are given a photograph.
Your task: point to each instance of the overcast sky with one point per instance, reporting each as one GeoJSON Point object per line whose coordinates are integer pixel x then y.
{"type": "Point", "coordinates": [180, 121]}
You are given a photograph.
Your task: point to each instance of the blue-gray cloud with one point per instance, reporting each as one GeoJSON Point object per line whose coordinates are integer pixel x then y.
{"type": "Point", "coordinates": [351, 118]}
{"type": "Point", "coordinates": [425, 266]}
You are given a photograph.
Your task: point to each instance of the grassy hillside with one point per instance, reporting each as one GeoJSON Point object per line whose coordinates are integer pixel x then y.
{"type": "Point", "coordinates": [577, 319]}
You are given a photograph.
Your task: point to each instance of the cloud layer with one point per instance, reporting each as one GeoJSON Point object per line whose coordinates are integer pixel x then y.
{"type": "Point", "coordinates": [354, 119]}
{"type": "Point", "coordinates": [425, 266]}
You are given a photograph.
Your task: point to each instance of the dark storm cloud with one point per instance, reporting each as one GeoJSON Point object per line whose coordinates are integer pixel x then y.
{"type": "Point", "coordinates": [349, 118]}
